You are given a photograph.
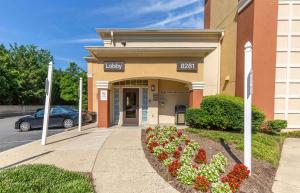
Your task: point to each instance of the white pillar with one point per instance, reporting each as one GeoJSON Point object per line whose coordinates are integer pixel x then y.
{"type": "Point", "coordinates": [80, 105]}
{"type": "Point", "coordinates": [48, 88]}
{"type": "Point", "coordinates": [248, 106]}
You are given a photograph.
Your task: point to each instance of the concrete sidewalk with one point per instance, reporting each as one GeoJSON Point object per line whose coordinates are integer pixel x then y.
{"type": "Point", "coordinates": [288, 174]}
{"type": "Point", "coordinates": [121, 166]}
{"type": "Point", "coordinates": [114, 157]}
{"type": "Point", "coordinates": [71, 150]}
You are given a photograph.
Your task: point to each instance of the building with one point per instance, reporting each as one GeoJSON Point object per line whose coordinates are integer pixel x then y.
{"type": "Point", "coordinates": [273, 28]}
{"type": "Point", "coordinates": [139, 76]}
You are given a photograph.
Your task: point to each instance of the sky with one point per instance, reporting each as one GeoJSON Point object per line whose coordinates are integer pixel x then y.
{"type": "Point", "coordinates": [64, 27]}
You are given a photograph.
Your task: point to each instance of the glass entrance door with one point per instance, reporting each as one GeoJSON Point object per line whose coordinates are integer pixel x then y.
{"type": "Point", "coordinates": [131, 106]}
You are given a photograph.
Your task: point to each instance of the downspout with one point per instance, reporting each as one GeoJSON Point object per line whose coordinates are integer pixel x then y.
{"type": "Point", "coordinates": [219, 66]}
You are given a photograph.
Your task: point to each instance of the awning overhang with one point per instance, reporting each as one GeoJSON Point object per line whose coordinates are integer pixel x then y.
{"type": "Point", "coordinates": [98, 52]}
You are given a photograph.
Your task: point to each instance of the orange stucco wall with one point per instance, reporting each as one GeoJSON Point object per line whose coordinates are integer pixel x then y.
{"type": "Point", "coordinates": [207, 11]}
{"type": "Point", "coordinates": [104, 111]}
{"type": "Point", "coordinates": [90, 94]}
{"type": "Point", "coordinates": [257, 23]}
{"type": "Point", "coordinates": [244, 34]}
{"type": "Point", "coordinates": [195, 98]}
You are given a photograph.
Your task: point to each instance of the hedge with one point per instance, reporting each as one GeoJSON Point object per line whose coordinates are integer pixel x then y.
{"type": "Point", "coordinates": [277, 125]}
{"type": "Point", "coordinates": [222, 112]}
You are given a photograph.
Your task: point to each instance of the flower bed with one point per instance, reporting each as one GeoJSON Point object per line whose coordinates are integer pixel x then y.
{"type": "Point", "coordinates": [186, 161]}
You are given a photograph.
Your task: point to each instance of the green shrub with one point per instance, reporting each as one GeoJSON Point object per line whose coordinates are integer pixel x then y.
{"type": "Point", "coordinates": [222, 112]}
{"type": "Point", "coordinates": [277, 125]}
{"type": "Point", "coordinates": [197, 118]}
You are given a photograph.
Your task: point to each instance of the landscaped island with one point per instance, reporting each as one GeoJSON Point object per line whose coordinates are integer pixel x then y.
{"type": "Point", "coordinates": [187, 162]}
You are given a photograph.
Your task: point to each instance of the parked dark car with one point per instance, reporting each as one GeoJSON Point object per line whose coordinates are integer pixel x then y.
{"type": "Point", "coordinates": [59, 116]}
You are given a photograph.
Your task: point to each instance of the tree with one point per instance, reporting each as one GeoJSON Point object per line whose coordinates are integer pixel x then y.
{"type": "Point", "coordinates": [5, 76]}
{"type": "Point", "coordinates": [23, 71]}
{"type": "Point", "coordinates": [69, 84]}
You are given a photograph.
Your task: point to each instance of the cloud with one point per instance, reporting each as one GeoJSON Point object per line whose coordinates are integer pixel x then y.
{"type": "Point", "coordinates": [142, 7]}
{"type": "Point", "coordinates": [165, 6]}
{"type": "Point", "coordinates": [173, 18]}
{"type": "Point", "coordinates": [157, 13]}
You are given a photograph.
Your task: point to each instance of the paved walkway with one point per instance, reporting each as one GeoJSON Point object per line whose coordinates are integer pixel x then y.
{"type": "Point", "coordinates": [122, 166]}
{"type": "Point", "coordinates": [114, 156]}
{"type": "Point", "coordinates": [288, 174]}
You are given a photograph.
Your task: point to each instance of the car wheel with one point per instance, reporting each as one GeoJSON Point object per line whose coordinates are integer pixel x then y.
{"type": "Point", "coordinates": [68, 123]}
{"type": "Point", "coordinates": [25, 126]}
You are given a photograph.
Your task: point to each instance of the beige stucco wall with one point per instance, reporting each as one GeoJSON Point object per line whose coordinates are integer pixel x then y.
{"type": "Point", "coordinates": [223, 16]}
{"type": "Point", "coordinates": [161, 70]}
{"type": "Point", "coordinates": [163, 40]}
{"type": "Point", "coordinates": [171, 93]}
{"type": "Point", "coordinates": [137, 68]}
{"type": "Point", "coordinates": [152, 104]}
{"type": "Point", "coordinates": [212, 73]}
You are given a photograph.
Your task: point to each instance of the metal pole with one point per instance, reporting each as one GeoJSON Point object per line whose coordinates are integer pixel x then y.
{"type": "Point", "coordinates": [80, 105]}
{"type": "Point", "coordinates": [48, 88]}
{"type": "Point", "coordinates": [248, 106]}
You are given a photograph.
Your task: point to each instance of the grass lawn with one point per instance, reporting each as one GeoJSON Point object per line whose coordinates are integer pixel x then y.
{"type": "Point", "coordinates": [264, 147]}
{"type": "Point", "coordinates": [40, 178]}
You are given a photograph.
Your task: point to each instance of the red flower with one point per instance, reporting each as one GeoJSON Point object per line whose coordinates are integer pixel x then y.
{"type": "Point", "coordinates": [202, 184]}
{"type": "Point", "coordinates": [165, 143]}
{"type": "Point", "coordinates": [162, 156]}
{"type": "Point", "coordinates": [179, 133]}
{"type": "Point", "coordinates": [152, 145]}
{"type": "Point", "coordinates": [171, 138]}
{"type": "Point", "coordinates": [201, 157]}
{"type": "Point", "coordinates": [179, 148]}
{"type": "Point", "coordinates": [148, 138]}
{"type": "Point", "coordinates": [195, 166]}
{"type": "Point", "coordinates": [173, 167]}
{"type": "Point", "coordinates": [235, 178]}
{"type": "Point", "coordinates": [148, 129]}
{"type": "Point", "coordinates": [176, 154]}
{"type": "Point", "coordinates": [187, 141]}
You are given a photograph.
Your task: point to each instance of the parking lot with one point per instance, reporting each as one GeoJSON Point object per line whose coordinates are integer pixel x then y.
{"type": "Point", "coordinates": [10, 137]}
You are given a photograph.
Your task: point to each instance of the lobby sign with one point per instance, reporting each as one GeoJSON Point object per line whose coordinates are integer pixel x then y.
{"type": "Point", "coordinates": [187, 67]}
{"type": "Point", "coordinates": [114, 66]}
{"type": "Point", "coordinates": [103, 95]}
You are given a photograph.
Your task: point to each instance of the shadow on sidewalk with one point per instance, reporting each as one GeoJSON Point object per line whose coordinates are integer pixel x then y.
{"type": "Point", "coordinates": [81, 134]}
{"type": "Point", "coordinates": [27, 159]}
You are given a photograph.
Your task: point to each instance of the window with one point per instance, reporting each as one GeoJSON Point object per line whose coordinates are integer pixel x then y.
{"type": "Point", "coordinates": [57, 111]}
{"type": "Point", "coordinates": [116, 105]}
{"type": "Point", "coordinates": [132, 83]}
{"type": "Point", "coordinates": [40, 113]}
{"type": "Point", "coordinates": [145, 105]}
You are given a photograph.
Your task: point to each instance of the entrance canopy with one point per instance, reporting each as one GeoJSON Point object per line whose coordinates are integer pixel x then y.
{"type": "Point", "coordinates": [117, 52]}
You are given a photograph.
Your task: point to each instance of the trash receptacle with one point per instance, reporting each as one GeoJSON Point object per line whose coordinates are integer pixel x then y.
{"type": "Point", "coordinates": [179, 114]}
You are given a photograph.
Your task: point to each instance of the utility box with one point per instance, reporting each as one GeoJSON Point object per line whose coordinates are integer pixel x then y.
{"type": "Point", "coordinates": [179, 114]}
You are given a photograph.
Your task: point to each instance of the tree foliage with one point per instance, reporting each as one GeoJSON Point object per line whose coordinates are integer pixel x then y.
{"type": "Point", "coordinates": [69, 84]}
{"type": "Point", "coordinates": [23, 71]}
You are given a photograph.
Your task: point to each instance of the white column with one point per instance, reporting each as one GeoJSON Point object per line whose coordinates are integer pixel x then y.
{"type": "Point", "coordinates": [48, 88]}
{"type": "Point", "coordinates": [80, 105]}
{"type": "Point", "coordinates": [248, 105]}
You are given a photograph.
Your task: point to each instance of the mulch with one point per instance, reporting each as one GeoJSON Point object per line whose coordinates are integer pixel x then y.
{"type": "Point", "coordinates": [260, 181]}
